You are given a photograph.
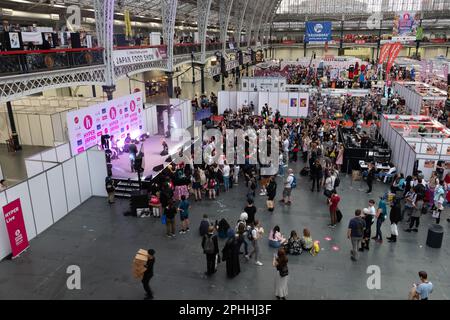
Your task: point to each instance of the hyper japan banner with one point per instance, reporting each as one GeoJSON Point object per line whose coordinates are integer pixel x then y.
{"type": "Point", "coordinates": [393, 54]}
{"type": "Point", "coordinates": [15, 225]}
{"type": "Point", "coordinates": [115, 118]}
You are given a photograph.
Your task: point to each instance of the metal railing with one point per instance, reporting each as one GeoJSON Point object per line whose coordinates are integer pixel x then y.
{"type": "Point", "coordinates": [29, 61]}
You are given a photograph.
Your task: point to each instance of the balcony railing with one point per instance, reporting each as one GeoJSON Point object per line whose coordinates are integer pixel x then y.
{"type": "Point", "coordinates": [29, 61]}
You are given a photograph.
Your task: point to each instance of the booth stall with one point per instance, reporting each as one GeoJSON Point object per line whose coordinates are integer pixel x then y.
{"type": "Point", "coordinates": [56, 184]}
{"type": "Point", "coordinates": [290, 104]}
{"type": "Point", "coordinates": [273, 84]}
{"type": "Point", "coordinates": [417, 143]}
{"type": "Point", "coordinates": [40, 121]}
{"type": "Point", "coordinates": [421, 98]}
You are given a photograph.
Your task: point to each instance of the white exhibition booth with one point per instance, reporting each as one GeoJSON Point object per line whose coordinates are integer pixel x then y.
{"type": "Point", "coordinates": [408, 145]}
{"type": "Point", "coordinates": [182, 116]}
{"type": "Point", "coordinates": [56, 185]}
{"type": "Point", "coordinates": [419, 95]}
{"type": "Point", "coordinates": [273, 84]}
{"type": "Point", "coordinates": [40, 121]}
{"type": "Point", "coordinates": [290, 104]}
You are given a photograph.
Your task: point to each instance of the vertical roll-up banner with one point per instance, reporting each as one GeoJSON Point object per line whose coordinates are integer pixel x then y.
{"type": "Point", "coordinates": [393, 54]}
{"type": "Point", "coordinates": [384, 52]}
{"type": "Point", "coordinates": [15, 225]}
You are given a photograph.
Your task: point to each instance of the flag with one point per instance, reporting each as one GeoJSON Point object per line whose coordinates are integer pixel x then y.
{"type": "Point", "coordinates": [384, 52]}
{"type": "Point", "coordinates": [393, 54]}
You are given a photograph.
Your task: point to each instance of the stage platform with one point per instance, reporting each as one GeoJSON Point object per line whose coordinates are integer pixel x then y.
{"type": "Point", "coordinates": [151, 147]}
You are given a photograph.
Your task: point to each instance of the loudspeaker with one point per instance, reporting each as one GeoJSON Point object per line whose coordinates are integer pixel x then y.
{"type": "Point", "coordinates": [158, 168]}
{"type": "Point", "coordinates": [139, 199]}
{"type": "Point", "coordinates": [169, 159]}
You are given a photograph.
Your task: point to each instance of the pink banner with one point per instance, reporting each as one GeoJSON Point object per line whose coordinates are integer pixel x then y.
{"type": "Point", "coordinates": [16, 227]}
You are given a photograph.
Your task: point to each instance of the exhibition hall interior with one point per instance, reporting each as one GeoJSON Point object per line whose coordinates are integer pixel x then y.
{"type": "Point", "coordinates": [224, 150]}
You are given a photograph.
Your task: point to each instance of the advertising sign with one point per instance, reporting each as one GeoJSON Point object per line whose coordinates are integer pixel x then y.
{"type": "Point", "coordinates": [127, 57]}
{"type": "Point", "coordinates": [384, 52]}
{"type": "Point", "coordinates": [15, 226]}
{"type": "Point", "coordinates": [116, 117]}
{"type": "Point", "coordinates": [405, 26]}
{"type": "Point", "coordinates": [318, 31]}
{"type": "Point", "coordinates": [393, 54]}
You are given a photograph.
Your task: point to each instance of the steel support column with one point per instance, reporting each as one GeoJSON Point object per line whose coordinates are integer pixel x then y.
{"type": "Point", "coordinates": [241, 9]}
{"type": "Point", "coordinates": [249, 27]}
{"type": "Point", "coordinates": [169, 14]}
{"type": "Point", "coordinates": [204, 8]}
{"type": "Point", "coordinates": [224, 19]}
{"type": "Point", "coordinates": [104, 22]}
{"type": "Point", "coordinates": [169, 84]}
{"type": "Point", "coordinates": [202, 78]}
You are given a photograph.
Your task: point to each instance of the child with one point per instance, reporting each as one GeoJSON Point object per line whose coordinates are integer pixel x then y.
{"type": "Point", "coordinates": [183, 208]}
{"type": "Point", "coordinates": [155, 205]}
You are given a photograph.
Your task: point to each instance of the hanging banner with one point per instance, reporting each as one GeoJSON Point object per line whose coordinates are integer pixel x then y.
{"type": "Point", "coordinates": [116, 117]}
{"type": "Point", "coordinates": [127, 20]}
{"type": "Point", "coordinates": [393, 54]}
{"type": "Point", "coordinates": [384, 52]}
{"type": "Point", "coordinates": [318, 31]}
{"type": "Point", "coordinates": [15, 225]}
{"type": "Point", "coordinates": [127, 57]}
{"type": "Point", "coordinates": [405, 26]}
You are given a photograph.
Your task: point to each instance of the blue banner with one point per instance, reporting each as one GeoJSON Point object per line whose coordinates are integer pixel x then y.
{"type": "Point", "coordinates": [318, 31]}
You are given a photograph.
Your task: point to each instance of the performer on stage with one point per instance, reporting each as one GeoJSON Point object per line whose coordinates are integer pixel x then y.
{"type": "Point", "coordinates": [165, 146]}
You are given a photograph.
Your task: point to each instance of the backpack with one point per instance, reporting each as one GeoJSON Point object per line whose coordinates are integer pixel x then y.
{"type": "Point", "coordinates": [212, 183]}
{"type": "Point", "coordinates": [337, 182]}
{"type": "Point", "coordinates": [209, 245]}
{"type": "Point", "coordinates": [315, 249]}
{"type": "Point", "coordinates": [250, 234]}
{"type": "Point", "coordinates": [294, 183]}
{"type": "Point", "coordinates": [420, 191]}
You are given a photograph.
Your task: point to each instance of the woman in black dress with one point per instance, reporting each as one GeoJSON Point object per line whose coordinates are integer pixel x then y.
{"type": "Point", "coordinates": [395, 216]}
{"type": "Point", "coordinates": [230, 254]}
{"type": "Point", "coordinates": [271, 193]}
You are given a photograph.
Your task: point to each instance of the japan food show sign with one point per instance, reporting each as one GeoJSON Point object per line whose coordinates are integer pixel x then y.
{"type": "Point", "coordinates": [15, 225]}
{"type": "Point", "coordinates": [115, 118]}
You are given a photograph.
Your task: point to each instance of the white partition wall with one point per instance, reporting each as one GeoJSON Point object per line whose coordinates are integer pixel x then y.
{"type": "Point", "coordinates": [71, 183]}
{"type": "Point", "coordinates": [40, 195]}
{"type": "Point", "coordinates": [57, 193]}
{"type": "Point", "coordinates": [97, 172]}
{"type": "Point", "coordinates": [84, 181]}
{"type": "Point", "coordinates": [151, 120]}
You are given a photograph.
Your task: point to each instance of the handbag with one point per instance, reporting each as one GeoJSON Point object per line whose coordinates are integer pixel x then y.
{"type": "Point", "coordinates": [163, 219]}
{"type": "Point", "coordinates": [269, 204]}
{"type": "Point", "coordinates": [284, 271]}
{"type": "Point", "coordinates": [436, 214]}
{"type": "Point", "coordinates": [394, 229]}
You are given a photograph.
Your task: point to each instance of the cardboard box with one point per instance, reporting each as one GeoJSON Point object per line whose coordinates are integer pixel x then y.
{"type": "Point", "coordinates": [143, 252]}
{"type": "Point", "coordinates": [139, 263]}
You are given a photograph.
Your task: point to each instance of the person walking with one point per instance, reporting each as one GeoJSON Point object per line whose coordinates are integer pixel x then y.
{"type": "Point", "coordinates": [395, 216]}
{"type": "Point", "coordinates": [255, 233]}
{"type": "Point", "coordinates": [148, 274]}
{"type": "Point", "coordinates": [210, 247]}
{"type": "Point", "coordinates": [280, 263]}
{"type": "Point", "coordinates": [340, 157]}
{"type": "Point", "coordinates": [369, 217]}
{"type": "Point", "coordinates": [355, 233]}
{"type": "Point", "coordinates": [370, 177]}
{"type": "Point", "coordinates": [316, 174]}
{"type": "Point", "coordinates": [381, 215]}
{"type": "Point", "coordinates": [226, 176]}
{"type": "Point", "coordinates": [230, 254]}
{"type": "Point", "coordinates": [183, 208]}
{"type": "Point", "coordinates": [288, 185]}
{"type": "Point", "coordinates": [170, 211]}
{"type": "Point", "coordinates": [271, 193]}
{"type": "Point", "coordinates": [250, 209]}
{"type": "Point", "coordinates": [416, 211]}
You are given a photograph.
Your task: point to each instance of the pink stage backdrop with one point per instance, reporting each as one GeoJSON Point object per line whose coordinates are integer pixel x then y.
{"type": "Point", "coordinates": [116, 117]}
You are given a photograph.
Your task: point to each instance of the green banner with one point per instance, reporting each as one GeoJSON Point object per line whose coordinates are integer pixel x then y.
{"type": "Point", "coordinates": [419, 34]}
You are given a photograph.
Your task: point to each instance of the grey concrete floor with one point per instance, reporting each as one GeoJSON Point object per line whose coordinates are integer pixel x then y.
{"type": "Point", "coordinates": [13, 163]}
{"type": "Point", "coordinates": [102, 242]}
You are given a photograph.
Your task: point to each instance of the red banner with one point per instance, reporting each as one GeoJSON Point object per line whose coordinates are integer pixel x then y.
{"type": "Point", "coordinates": [393, 54]}
{"type": "Point", "coordinates": [384, 52]}
{"type": "Point", "coordinates": [16, 227]}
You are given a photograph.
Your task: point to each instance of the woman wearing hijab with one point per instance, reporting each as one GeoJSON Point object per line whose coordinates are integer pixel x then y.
{"type": "Point", "coordinates": [230, 254]}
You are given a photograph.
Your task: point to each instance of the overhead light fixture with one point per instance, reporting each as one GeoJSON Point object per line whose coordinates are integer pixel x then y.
{"type": "Point", "coordinates": [54, 16]}
{"type": "Point", "coordinates": [6, 12]}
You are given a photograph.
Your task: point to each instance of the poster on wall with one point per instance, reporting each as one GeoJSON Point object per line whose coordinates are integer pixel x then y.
{"type": "Point", "coordinates": [429, 164]}
{"type": "Point", "coordinates": [14, 40]}
{"type": "Point", "coordinates": [303, 103]}
{"type": "Point", "coordinates": [15, 225]}
{"type": "Point", "coordinates": [294, 103]}
{"type": "Point", "coordinates": [318, 31]}
{"type": "Point", "coordinates": [115, 118]}
{"type": "Point", "coordinates": [405, 26]}
{"type": "Point", "coordinates": [431, 149]}
{"type": "Point", "coordinates": [448, 150]}
{"type": "Point", "coordinates": [447, 165]}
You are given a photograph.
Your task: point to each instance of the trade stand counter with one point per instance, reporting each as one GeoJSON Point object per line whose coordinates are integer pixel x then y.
{"type": "Point", "coordinates": [362, 146]}
{"type": "Point", "coordinates": [421, 98]}
{"type": "Point", "coordinates": [418, 143]}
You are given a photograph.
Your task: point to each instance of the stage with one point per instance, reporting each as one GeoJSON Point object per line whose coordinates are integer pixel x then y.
{"type": "Point", "coordinates": [151, 147]}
